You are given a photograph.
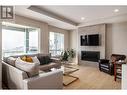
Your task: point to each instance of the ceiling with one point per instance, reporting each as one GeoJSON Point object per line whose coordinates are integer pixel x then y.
{"type": "Point", "coordinates": [69, 17]}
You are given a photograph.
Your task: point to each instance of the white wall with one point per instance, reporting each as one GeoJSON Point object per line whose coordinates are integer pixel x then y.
{"type": "Point", "coordinates": [0, 55]}
{"type": "Point", "coordinates": [116, 39]}
{"type": "Point", "coordinates": [73, 39]}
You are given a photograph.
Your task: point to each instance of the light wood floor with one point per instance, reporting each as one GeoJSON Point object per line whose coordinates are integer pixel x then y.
{"type": "Point", "coordinates": [92, 78]}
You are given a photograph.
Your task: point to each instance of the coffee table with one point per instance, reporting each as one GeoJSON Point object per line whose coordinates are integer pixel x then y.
{"type": "Point", "coordinates": [68, 70]}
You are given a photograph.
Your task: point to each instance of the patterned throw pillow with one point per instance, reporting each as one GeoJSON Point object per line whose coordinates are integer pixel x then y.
{"type": "Point", "coordinates": [27, 59]}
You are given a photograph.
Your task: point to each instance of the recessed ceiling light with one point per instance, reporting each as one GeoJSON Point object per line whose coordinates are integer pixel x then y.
{"type": "Point", "coordinates": [82, 18]}
{"type": "Point", "coordinates": [116, 10]}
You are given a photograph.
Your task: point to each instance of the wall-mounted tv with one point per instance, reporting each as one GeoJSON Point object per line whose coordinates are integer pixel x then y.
{"type": "Point", "coordinates": [90, 40]}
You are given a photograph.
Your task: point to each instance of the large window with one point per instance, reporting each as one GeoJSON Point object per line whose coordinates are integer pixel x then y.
{"type": "Point", "coordinates": [56, 43]}
{"type": "Point", "coordinates": [18, 39]}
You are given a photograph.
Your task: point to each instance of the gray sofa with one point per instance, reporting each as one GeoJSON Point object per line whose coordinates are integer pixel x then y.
{"type": "Point", "coordinates": [15, 78]}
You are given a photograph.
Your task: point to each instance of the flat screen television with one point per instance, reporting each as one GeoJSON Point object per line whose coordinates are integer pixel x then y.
{"type": "Point", "coordinates": [90, 40]}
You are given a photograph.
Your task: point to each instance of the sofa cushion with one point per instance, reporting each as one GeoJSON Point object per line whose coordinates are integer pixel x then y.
{"type": "Point", "coordinates": [5, 59]}
{"type": "Point", "coordinates": [31, 69]}
{"type": "Point", "coordinates": [35, 60]}
{"type": "Point", "coordinates": [41, 59]}
{"type": "Point", "coordinates": [11, 61]}
{"type": "Point", "coordinates": [44, 60]}
{"type": "Point", "coordinates": [47, 59]}
{"type": "Point", "coordinates": [49, 66]}
{"type": "Point", "coordinates": [23, 58]}
{"type": "Point", "coordinates": [29, 59]}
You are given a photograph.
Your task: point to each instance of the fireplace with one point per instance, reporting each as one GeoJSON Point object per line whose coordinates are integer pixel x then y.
{"type": "Point", "coordinates": [90, 56]}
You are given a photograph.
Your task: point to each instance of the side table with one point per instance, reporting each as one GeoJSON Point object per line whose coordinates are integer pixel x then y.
{"type": "Point", "coordinates": [118, 69]}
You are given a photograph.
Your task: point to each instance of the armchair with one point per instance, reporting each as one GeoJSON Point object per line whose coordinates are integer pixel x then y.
{"type": "Point", "coordinates": [108, 66]}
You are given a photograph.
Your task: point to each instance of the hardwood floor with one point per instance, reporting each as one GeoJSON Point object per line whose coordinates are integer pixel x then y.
{"type": "Point", "coordinates": [92, 78]}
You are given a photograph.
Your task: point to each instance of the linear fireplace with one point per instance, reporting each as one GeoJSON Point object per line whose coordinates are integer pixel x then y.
{"type": "Point", "coordinates": [90, 56]}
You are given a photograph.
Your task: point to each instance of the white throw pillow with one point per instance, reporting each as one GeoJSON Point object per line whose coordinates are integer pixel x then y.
{"type": "Point", "coordinates": [35, 60]}
{"type": "Point", "coordinates": [32, 69]}
{"type": "Point", "coordinates": [11, 61]}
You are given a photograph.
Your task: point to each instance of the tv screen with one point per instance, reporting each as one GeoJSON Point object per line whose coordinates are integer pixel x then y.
{"type": "Point", "coordinates": [93, 40]}
{"type": "Point", "coordinates": [89, 40]}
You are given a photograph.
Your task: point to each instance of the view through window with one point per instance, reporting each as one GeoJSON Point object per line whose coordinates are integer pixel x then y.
{"type": "Point", "coordinates": [17, 40]}
{"type": "Point", "coordinates": [56, 43]}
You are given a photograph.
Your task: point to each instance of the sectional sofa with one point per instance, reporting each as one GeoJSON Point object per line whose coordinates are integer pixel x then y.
{"type": "Point", "coordinates": [15, 78]}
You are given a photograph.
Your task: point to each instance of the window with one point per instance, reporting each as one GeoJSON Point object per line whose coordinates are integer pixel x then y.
{"type": "Point", "coordinates": [18, 39]}
{"type": "Point", "coordinates": [56, 43]}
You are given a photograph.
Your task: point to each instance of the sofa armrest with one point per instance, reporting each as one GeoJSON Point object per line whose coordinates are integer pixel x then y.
{"type": "Point", "coordinates": [56, 60]}
{"type": "Point", "coordinates": [101, 61]}
{"type": "Point", "coordinates": [49, 80]}
{"type": "Point", "coordinates": [12, 76]}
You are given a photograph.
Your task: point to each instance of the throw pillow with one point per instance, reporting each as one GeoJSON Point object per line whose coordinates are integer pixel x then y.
{"type": "Point", "coordinates": [44, 60]}
{"type": "Point", "coordinates": [11, 61]}
{"type": "Point", "coordinates": [35, 60]}
{"type": "Point", "coordinates": [23, 58]}
{"type": "Point", "coordinates": [47, 59]}
{"type": "Point", "coordinates": [30, 69]}
{"type": "Point", "coordinates": [41, 59]}
{"type": "Point", "coordinates": [29, 59]}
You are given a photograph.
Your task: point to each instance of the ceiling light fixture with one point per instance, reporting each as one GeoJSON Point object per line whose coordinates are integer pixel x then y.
{"type": "Point", "coordinates": [82, 18]}
{"type": "Point", "coordinates": [116, 10]}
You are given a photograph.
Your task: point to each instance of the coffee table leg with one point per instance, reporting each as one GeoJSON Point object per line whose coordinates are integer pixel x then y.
{"type": "Point", "coordinates": [76, 78]}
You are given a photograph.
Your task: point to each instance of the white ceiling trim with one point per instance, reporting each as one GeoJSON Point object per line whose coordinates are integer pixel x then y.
{"type": "Point", "coordinates": [69, 17]}
{"type": "Point", "coordinates": [52, 15]}
{"type": "Point", "coordinates": [114, 19]}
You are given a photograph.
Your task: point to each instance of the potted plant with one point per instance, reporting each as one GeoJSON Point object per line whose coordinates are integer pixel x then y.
{"type": "Point", "coordinates": [64, 56]}
{"type": "Point", "coordinates": [71, 53]}
{"type": "Point", "coordinates": [67, 55]}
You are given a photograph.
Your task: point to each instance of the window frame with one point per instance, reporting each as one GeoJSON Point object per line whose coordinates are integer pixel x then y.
{"type": "Point", "coordinates": [57, 55]}
{"type": "Point", "coordinates": [18, 29]}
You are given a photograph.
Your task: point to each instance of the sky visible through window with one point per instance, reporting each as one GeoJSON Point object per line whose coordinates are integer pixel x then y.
{"type": "Point", "coordinates": [11, 39]}
{"type": "Point", "coordinates": [56, 42]}
{"type": "Point", "coordinates": [15, 42]}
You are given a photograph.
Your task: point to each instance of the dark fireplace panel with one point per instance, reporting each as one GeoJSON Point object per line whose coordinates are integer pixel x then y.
{"type": "Point", "coordinates": [90, 55]}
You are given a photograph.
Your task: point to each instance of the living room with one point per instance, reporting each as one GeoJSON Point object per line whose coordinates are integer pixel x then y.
{"type": "Point", "coordinates": [36, 31]}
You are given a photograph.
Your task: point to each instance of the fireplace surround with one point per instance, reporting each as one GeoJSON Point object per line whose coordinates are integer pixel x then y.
{"type": "Point", "coordinates": [90, 56]}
